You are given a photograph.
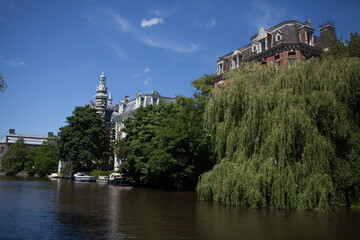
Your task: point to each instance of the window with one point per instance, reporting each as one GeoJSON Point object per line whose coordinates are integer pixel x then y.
{"type": "Point", "coordinates": [254, 48]}
{"type": "Point", "coordinates": [309, 36]}
{"type": "Point", "coordinates": [235, 60]}
{"type": "Point", "coordinates": [277, 57]}
{"type": "Point", "coordinates": [262, 43]}
{"type": "Point", "coordinates": [155, 101]}
{"type": "Point", "coordinates": [220, 68]}
{"type": "Point", "coordinates": [278, 38]}
{"type": "Point", "coordinates": [292, 54]}
{"type": "Point", "coordinates": [2, 149]}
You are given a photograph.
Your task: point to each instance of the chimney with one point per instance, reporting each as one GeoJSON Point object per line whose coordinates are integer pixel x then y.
{"type": "Point", "coordinates": [327, 32]}
{"type": "Point", "coordinates": [12, 131]}
{"type": "Point", "coordinates": [126, 99]}
{"type": "Point", "coordinates": [50, 134]}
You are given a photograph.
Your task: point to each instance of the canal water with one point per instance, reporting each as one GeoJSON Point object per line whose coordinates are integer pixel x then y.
{"type": "Point", "coordinates": [34, 208]}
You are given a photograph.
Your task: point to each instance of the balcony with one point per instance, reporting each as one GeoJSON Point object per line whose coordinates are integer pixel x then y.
{"type": "Point", "coordinates": [218, 78]}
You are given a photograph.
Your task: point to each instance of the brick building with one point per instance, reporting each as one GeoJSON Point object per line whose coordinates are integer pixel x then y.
{"type": "Point", "coordinates": [281, 44]}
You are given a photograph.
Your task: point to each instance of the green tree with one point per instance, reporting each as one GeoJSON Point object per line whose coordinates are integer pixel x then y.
{"type": "Point", "coordinates": [121, 149]}
{"type": "Point", "coordinates": [43, 160]}
{"type": "Point", "coordinates": [204, 85]}
{"type": "Point", "coordinates": [29, 163]}
{"type": "Point", "coordinates": [14, 159]}
{"type": "Point", "coordinates": [181, 146]}
{"type": "Point", "coordinates": [168, 145]}
{"type": "Point", "coordinates": [140, 130]}
{"type": "Point", "coordinates": [83, 141]}
{"type": "Point", "coordinates": [2, 84]}
{"type": "Point", "coordinates": [286, 138]}
{"type": "Point", "coordinates": [350, 48]}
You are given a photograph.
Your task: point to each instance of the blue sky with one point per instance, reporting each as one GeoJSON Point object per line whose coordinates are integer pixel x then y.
{"type": "Point", "coordinates": [53, 52]}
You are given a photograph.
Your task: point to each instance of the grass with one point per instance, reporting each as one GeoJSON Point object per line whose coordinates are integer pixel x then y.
{"type": "Point", "coordinates": [96, 173]}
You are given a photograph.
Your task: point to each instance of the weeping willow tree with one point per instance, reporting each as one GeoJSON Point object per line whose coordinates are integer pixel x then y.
{"type": "Point", "coordinates": [286, 137]}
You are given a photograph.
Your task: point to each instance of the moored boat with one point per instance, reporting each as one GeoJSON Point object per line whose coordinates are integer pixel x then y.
{"type": "Point", "coordinates": [84, 177]}
{"type": "Point", "coordinates": [103, 178]}
{"type": "Point", "coordinates": [118, 179]}
{"type": "Point", "coordinates": [54, 175]}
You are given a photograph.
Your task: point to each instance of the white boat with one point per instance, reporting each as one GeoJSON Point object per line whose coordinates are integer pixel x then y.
{"type": "Point", "coordinates": [118, 179]}
{"type": "Point", "coordinates": [84, 177]}
{"type": "Point", "coordinates": [103, 178]}
{"type": "Point", "coordinates": [54, 175]}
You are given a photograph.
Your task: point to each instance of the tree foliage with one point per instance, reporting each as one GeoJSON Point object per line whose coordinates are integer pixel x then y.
{"type": "Point", "coordinates": [83, 141]}
{"type": "Point", "coordinates": [14, 159]}
{"type": "Point", "coordinates": [350, 48]}
{"type": "Point", "coordinates": [43, 160]}
{"type": "Point", "coordinates": [168, 145]}
{"type": "Point", "coordinates": [286, 138]}
{"type": "Point", "coordinates": [2, 84]}
{"type": "Point", "coordinates": [204, 85]}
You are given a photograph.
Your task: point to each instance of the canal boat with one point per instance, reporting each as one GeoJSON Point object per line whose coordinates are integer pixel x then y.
{"type": "Point", "coordinates": [118, 179]}
{"type": "Point", "coordinates": [54, 175]}
{"type": "Point", "coordinates": [103, 178]}
{"type": "Point", "coordinates": [84, 177]}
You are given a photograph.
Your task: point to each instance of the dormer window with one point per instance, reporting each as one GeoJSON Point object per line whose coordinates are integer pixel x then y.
{"type": "Point", "coordinates": [142, 102]}
{"type": "Point", "coordinates": [262, 45]}
{"type": "Point", "coordinates": [220, 67]}
{"type": "Point", "coordinates": [309, 38]}
{"type": "Point", "coordinates": [155, 101]}
{"type": "Point", "coordinates": [235, 62]}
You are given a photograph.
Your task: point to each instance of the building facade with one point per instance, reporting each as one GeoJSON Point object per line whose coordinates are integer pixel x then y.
{"type": "Point", "coordinates": [104, 106]}
{"type": "Point", "coordinates": [128, 108]}
{"type": "Point", "coordinates": [114, 115]}
{"type": "Point", "coordinates": [281, 44]}
{"type": "Point", "coordinates": [32, 141]}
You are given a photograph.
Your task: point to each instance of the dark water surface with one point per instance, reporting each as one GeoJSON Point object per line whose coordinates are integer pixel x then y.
{"type": "Point", "coordinates": [33, 208]}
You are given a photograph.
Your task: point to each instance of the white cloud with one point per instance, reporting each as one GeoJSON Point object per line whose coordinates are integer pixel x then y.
{"type": "Point", "coordinates": [160, 13]}
{"type": "Point", "coordinates": [14, 63]}
{"type": "Point", "coordinates": [118, 51]}
{"type": "Point", "coordinates": [123, 26]}
{"type": "Point", "coordinates": [212, 24]}
{"type": "Point", "coordinates": [147, 81]}
{"type": "Point", "coordinates": [266, 16]}
{"type": "Point", "coordinates": [151, 22]}
{"type": "Point", "coordinates": [145, 71]}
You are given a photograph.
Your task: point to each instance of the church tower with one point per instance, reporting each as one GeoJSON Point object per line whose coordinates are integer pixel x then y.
{"type": "Point", "coordinates": [101, 96]}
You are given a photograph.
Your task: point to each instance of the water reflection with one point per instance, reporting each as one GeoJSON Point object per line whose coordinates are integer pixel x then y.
{"type": "Point", "coordinates": [60, 209]}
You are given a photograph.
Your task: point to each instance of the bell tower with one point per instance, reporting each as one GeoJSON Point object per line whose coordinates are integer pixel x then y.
{"type": "Point", "coordinates": [101, 96]}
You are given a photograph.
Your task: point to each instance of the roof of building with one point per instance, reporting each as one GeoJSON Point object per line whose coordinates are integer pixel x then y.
{"type": "Point", "coordinates": [28, 139]}
{"type": "Point", "coordinates": [130, 107]}
{"type": "Point", "coordinates": [289, 31]}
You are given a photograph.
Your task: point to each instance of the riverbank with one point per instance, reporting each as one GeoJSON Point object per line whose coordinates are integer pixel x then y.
{"type": "Point", "coordinates": [20, 175]}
